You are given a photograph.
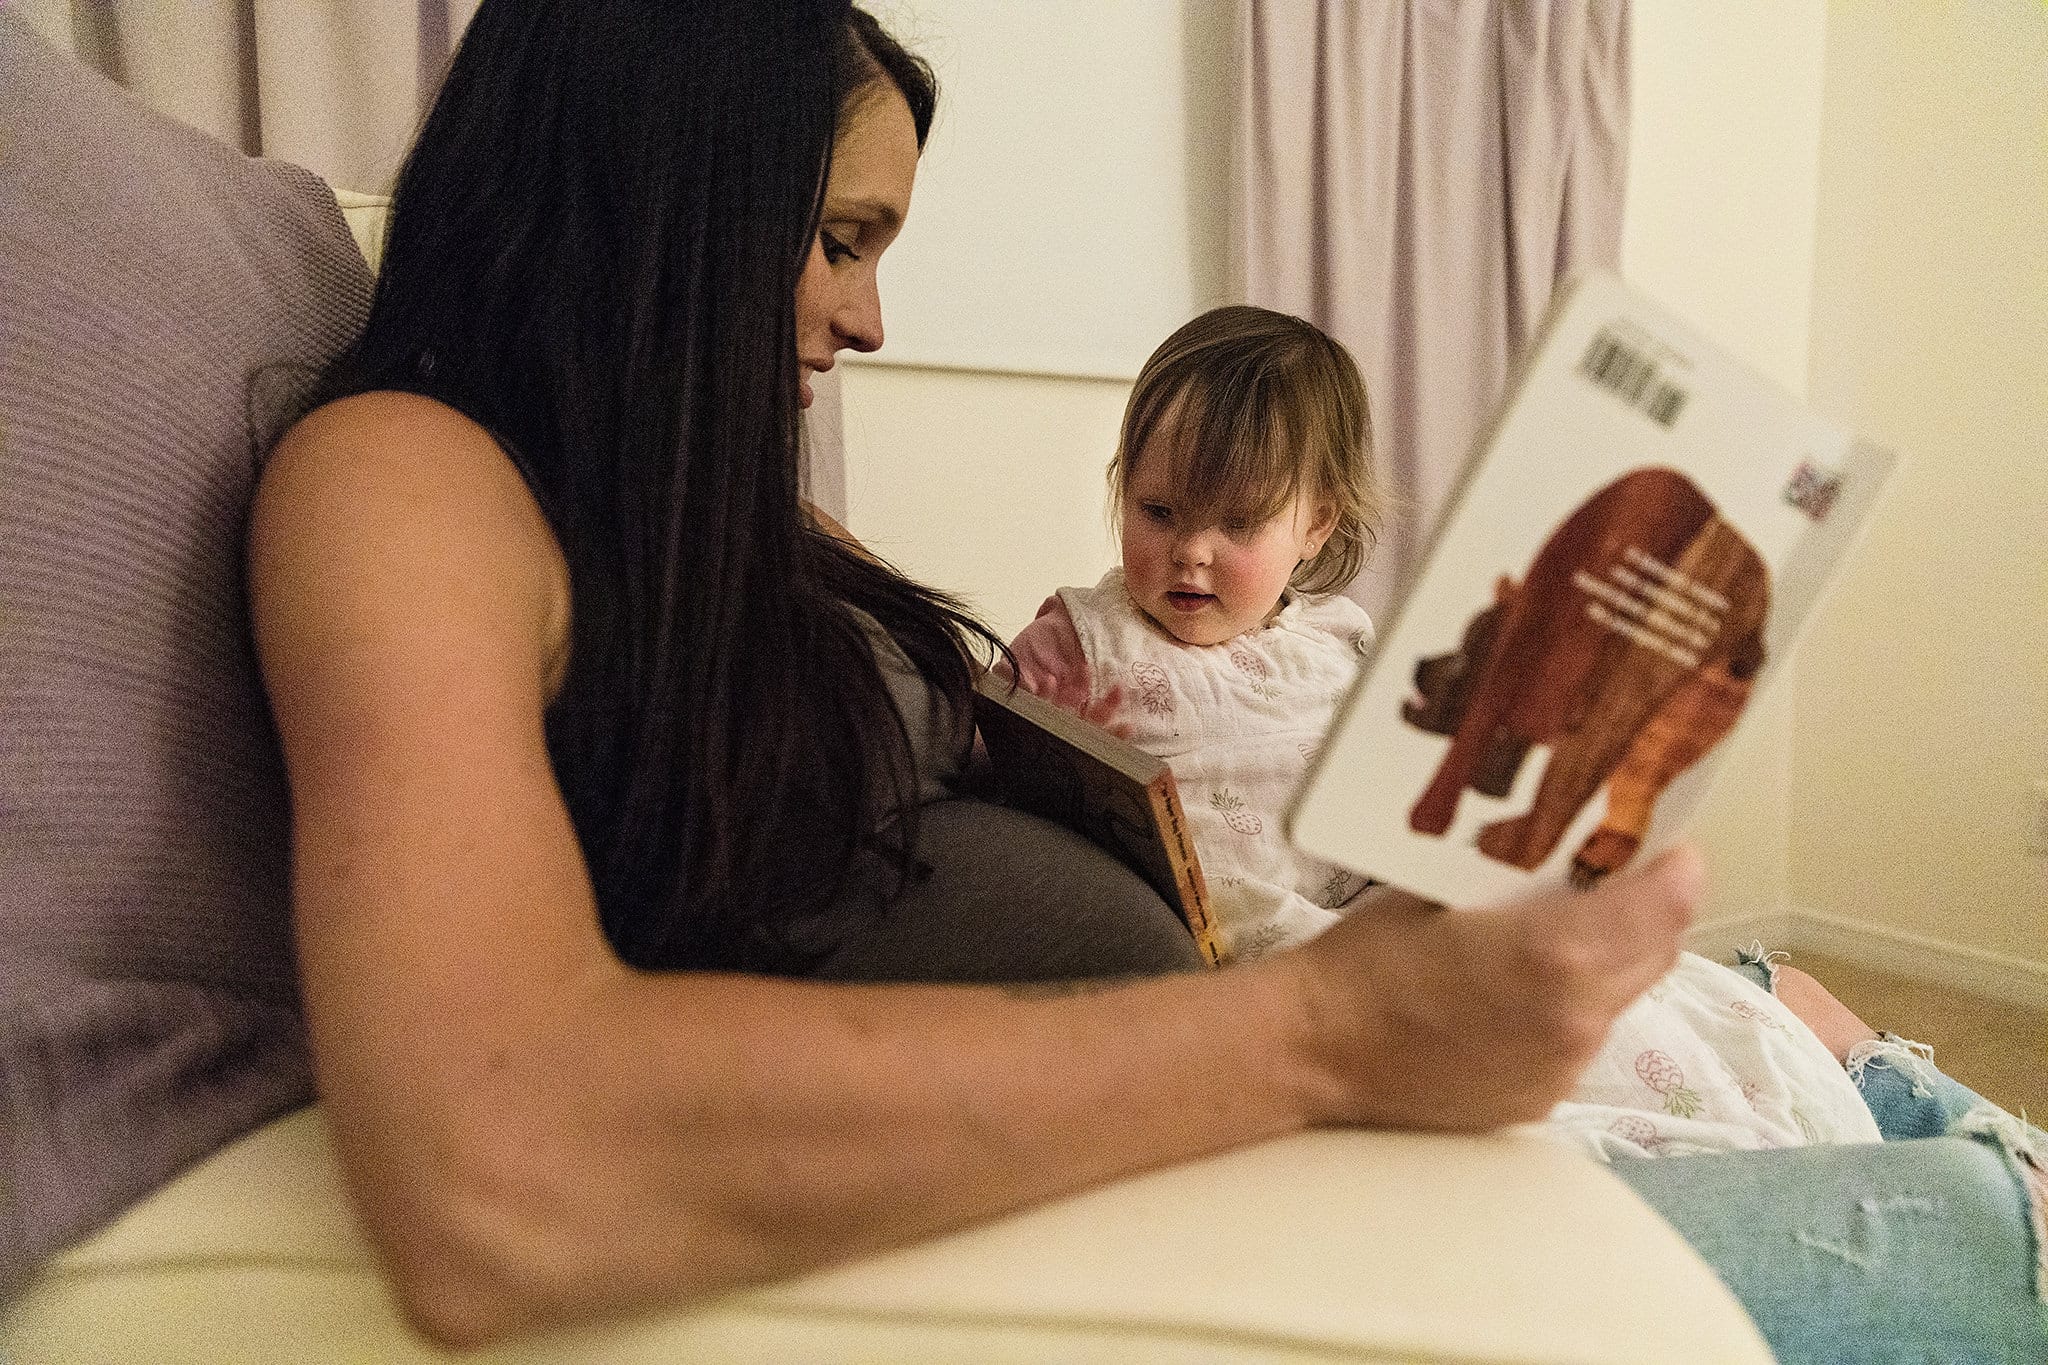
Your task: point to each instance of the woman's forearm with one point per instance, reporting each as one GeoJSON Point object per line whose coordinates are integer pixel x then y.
{"type": "Point", "coordinates": [629, 1140]}
{"type": "Point", "coordinates": [670, 1136]}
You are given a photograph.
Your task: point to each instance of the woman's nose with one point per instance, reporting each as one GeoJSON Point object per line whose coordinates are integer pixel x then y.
{"type": "Point", "coordinates": [859, 321]}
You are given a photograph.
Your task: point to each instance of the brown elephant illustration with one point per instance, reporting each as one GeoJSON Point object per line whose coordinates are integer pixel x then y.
{"type": "Point", "coordinates": [1629, 650]}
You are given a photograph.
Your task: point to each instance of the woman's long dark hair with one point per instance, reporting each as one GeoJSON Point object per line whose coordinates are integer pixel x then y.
{"type": "Point", "coordinates": [594, 252]}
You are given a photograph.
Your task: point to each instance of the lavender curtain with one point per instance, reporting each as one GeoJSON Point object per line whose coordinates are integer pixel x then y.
{"type": "Point", "coordinates": [337, 86]}
{"type": "Point", "coordinates": [1416, 177]}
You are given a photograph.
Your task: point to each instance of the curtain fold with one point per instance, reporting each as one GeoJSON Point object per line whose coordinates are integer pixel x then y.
{"type": "Point", "coordinates": [336, 86]}
{"type": "Point", "coordinates": [1417, 177]}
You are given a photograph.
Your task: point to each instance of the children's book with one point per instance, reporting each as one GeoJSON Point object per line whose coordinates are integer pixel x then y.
{"type": "Point", "coordinates": [1054, 764]}
{"type": "Point", "coordinates": [1629, 558]}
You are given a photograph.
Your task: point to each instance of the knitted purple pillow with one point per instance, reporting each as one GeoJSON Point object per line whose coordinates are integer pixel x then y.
{"type": "Point", "coordinates": [160, 298]}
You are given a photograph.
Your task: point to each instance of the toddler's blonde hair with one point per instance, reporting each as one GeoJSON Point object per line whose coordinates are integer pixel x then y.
{"type": "Point", "coordinates": [1258, 405]}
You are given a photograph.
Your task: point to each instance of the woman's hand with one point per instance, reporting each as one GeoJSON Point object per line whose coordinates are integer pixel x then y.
{"type": "Point", "coordinates": [1471, 1019]}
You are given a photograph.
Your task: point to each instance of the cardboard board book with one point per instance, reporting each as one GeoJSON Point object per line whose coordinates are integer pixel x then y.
{"type": "Point", "coordinates": [1056, 765]}
{"type": "Point", "coordinates": [1630, 556]}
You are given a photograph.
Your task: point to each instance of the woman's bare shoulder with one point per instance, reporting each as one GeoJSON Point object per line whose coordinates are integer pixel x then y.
{"type": "Point", "coordinates": [406, 492]}
{"type": "Point", "coordinates": [403, 499]}
{"type": "Point", "coordinates": [403, 448]}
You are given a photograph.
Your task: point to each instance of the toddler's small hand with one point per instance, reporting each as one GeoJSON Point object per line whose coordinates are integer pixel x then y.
{"type": "Point", "coordinates": [1074, 693]}
{"type": "Point", "coordinates": [1102, 711]}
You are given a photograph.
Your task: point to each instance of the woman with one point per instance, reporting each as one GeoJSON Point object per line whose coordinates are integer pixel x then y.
{"type": "Point", "coordinates": [597, 744]}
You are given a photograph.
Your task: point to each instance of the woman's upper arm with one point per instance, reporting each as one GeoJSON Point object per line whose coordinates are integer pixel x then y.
{"type": "Point", "coordinates": [408, 604]}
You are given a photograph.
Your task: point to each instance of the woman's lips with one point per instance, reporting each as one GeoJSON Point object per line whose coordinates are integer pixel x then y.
{"type": "Point", "coordinates": [1189, 601]}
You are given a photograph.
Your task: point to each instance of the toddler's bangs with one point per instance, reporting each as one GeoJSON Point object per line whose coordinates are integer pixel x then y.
{"type": "Point", "coordinates": [1233, 455]}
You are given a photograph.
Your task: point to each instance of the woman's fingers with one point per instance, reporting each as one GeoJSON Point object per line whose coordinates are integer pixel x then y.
{"type": "Point", "coordinates": [1622, 936]}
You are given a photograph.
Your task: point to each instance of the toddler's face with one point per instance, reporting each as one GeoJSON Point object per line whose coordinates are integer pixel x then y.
{"type": "Point", "coordinates": [1206, 584]}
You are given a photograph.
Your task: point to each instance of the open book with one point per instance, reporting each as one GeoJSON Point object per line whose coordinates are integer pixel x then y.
{"type": "Point", "coordinates": [1635, 546]}
{"type": "Point", "coordinates": [1054, 764]}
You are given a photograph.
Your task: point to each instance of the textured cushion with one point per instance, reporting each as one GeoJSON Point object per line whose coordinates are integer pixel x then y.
{"type": "Point", "coordinates": [164, 298]}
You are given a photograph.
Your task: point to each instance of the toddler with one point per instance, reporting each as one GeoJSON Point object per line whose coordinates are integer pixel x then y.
{"type": "Point", "coordinates": [1244, 494]}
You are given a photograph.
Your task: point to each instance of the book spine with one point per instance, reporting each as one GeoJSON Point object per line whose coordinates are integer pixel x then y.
{"type": "Point", "coordinates": [1172, 824]}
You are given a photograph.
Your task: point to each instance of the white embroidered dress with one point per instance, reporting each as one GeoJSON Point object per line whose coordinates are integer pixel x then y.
{"type": "Point", "coordinates": [1709, 1061]}
{"type": "Point", "coordinates": [1238, 723]}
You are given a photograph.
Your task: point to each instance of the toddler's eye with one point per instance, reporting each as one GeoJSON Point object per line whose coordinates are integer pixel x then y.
{"type": "Point", "coordinates": [1156, 511]}
{"type": "Point", "coordinates": [1239, 529]}
{"type": "Point", "coordinates": [835, 249]}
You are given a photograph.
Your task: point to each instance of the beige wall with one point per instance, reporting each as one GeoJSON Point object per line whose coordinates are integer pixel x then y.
{"type": "Point", "coordinates": [1922, 703]}
{"type": "Point", "coordinates": [1724, 147]}
{"type": "Point", "coordinates": [988, 485]}
{"type": "Point", "coordinates": [1067, 206]}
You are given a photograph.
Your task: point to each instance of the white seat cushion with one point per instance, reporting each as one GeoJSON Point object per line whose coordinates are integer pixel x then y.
{"type": "Point", "coordinates": [1322, 1247]}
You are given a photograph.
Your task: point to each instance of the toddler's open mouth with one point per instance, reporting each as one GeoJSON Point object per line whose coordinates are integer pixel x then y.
{"type": "Point", "coordinates": [1189, 601]}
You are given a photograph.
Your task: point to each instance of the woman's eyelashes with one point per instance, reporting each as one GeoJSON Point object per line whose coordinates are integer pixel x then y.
{"type": "Point", "coordinates": [836, 249]}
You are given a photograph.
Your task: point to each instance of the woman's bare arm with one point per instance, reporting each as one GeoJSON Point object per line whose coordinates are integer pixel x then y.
{"type": "Point", "coordinates": [537, 1134]}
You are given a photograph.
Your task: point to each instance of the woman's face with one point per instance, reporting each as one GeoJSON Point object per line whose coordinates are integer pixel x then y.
{"type": "Point", "coordinates": [867, 198]}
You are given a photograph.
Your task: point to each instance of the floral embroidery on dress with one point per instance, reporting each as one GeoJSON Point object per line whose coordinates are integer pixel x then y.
{"type": "Point", "coordinates": [1231, 807]}
{"type": "Point", "coordinates": [1756, 1014]}
{"type": "Point", "coordinates": [1665, 1077]}
{"type": "Point", "coordinates": [1264, 939]}
{"type": "Point", "coordinates": [1308, 751]}
{"type": "Point", "coordinates": [1254, 669]}
{"type": "Point", "coordinates": [1154, 689]}
{"type": "Point", "coordinates": [1335, 891]}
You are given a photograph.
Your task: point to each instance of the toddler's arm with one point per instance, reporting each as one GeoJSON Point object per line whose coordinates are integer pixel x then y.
{"type": "Point", "coordinates": [1052, 664]}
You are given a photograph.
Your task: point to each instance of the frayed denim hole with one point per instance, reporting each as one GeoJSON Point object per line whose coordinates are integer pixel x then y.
{"type": "Point", "coordinates": [2026, 1152]}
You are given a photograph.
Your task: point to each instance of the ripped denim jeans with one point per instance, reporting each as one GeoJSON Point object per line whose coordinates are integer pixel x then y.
{"type": "Point", "coordinates": [1928, 1247]}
